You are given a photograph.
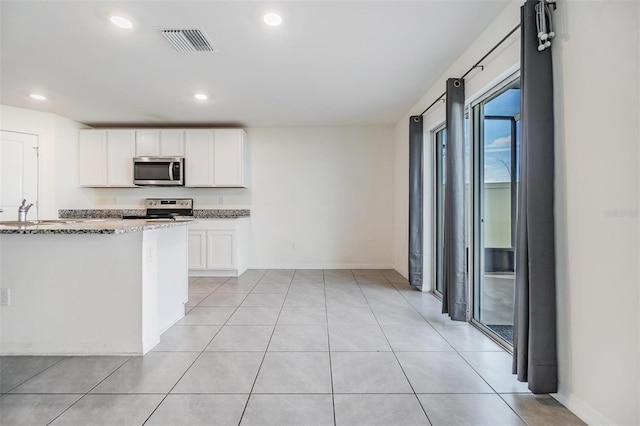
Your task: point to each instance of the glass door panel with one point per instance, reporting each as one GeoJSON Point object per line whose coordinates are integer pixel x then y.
{"type": "Point", "coordinates": [441, 156]}
{"type": "Point", "coordinates": [440, 182]}
{"type": "Point", "coordinates": [497, 138]}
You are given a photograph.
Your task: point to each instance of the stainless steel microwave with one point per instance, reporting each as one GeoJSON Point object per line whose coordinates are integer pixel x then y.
{"type": "Point", "coordinates": [158, 171]}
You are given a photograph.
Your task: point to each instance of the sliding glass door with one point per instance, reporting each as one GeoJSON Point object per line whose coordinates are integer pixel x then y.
{"type": "Point", "coordinates": [440, 139]}
{"type": "Point", "coordinates": [496, 142]}
{"type": "Point", "coordinates": [440, 145]}
{"type": "Point", "coordinates": [492, 168]}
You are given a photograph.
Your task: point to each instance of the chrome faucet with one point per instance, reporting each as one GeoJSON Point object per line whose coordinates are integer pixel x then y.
{"type": "Point", "coordinates": [23, 210]}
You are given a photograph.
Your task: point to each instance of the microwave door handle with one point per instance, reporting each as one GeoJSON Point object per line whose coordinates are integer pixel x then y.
{"type": "Point", "coordinates": [171, 170]}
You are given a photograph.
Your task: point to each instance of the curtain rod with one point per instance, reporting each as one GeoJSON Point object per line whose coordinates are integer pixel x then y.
{"type": "Point", "coordinates": [477, 64]}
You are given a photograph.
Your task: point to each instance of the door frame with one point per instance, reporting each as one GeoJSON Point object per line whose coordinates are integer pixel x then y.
{"type": "Point", "coordinates": [38, 202]}
{"type": "Point", "coordinates": [476, 180]}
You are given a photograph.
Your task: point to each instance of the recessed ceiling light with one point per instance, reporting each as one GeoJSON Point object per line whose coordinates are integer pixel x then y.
{"type": "Point", "coordinates": [201, 96]}
{"type": "Point", "coordinates": [38, 97]}
{"type": "Point", "coordinates": [121, 22]}
{"type": "Point", "coordinates": [272, 18]}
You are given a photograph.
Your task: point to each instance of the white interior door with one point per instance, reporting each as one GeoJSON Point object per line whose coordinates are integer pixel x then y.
{"type": "Point", "coordinates": [18, 173]}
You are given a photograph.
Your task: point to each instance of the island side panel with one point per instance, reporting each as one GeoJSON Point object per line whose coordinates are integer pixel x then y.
{"type": "Point", "coordinates": [72, 294]}
{"type": "Point", "coordinates": [172, 273]}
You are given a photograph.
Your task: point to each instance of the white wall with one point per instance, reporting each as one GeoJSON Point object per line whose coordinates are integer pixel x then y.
{"type": "Point", "coordinates": [57, 163]}
{"type": "Point", "coordinates": [322, 197]}
{"type": "Point", "coordinates": [319, 197]}
{"type": "Point", "coordinates": [496, 68]}
{"type": "Point", "coordinates": [596, 78]}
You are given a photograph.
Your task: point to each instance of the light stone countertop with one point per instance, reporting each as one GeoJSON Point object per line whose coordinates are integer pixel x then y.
{"type": "Point", "coordinates": [93, 226]}
{"type": "Point", "coordinates": [118, 213]}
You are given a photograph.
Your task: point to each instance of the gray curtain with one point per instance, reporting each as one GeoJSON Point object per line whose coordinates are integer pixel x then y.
{"type": "Point", "coordinates": [534, 345]}
{"type": "Point", "coordinates": [415, 201]}
{"type": "Point", "coordinates": [454, 293]}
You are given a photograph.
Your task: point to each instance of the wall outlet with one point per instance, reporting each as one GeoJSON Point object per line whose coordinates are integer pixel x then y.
{"type": "Point", "coordinates": [4, 296]}
{"type": "Point", "coordinates": [221, 200]}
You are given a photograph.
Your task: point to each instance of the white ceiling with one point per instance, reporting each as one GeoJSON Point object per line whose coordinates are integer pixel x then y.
{"type": "Point", "coordinates": [331, 63]}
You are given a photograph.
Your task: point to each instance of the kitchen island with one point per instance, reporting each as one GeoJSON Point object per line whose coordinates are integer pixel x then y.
{"type": "Point", "coordinates": [96, 287]}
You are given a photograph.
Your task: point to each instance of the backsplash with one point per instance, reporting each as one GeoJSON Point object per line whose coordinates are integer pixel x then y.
{"type": "Point", "coordinates": [118, 213]}
{"type": "Point", "coordinates": [133, 198]}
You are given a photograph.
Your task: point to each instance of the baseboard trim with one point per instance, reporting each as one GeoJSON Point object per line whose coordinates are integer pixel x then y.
{"type": "Point", "coordinates": [71, 348]}
{"type": "Point", "coordinates": [582, 410]}
{"type": "Point", "coordinates": [195, 273]}
{"type": "Point", "coordinates": [402, 271]}
{"type": "Point", "coordinates": [324, 266]}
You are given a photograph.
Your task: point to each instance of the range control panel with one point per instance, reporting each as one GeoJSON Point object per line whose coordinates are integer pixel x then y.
{"type": "Point", "coordinates": [169, 203]}
{"type": "Point", "coordinates": [169, 207]}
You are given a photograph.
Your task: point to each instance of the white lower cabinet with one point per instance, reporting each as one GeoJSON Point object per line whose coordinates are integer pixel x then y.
{"type": "Point", "coordinates": [221, 250]}
{"type": "Point", "coordinates": [197, 250]}
{"type": "Point", "coordinates": [218, 247]}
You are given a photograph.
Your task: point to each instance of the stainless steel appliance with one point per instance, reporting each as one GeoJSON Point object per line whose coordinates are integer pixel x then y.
{"type": "Point", "coordinates": [158, 171]}
{"type": "Point", "coordinates": [166, 208]}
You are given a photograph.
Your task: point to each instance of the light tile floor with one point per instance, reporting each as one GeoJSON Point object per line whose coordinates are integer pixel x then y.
{"type": "Point", "coordinates": [284, 347]}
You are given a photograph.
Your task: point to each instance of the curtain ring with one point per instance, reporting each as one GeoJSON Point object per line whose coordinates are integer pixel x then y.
{"type": "Point", "coordinates": [416, 119]}
{"type": "Point", "coordinates": [456, 83]}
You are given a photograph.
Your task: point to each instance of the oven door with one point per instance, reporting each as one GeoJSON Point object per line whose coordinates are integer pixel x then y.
{"type": "Point", "coordinates": [158, 171]}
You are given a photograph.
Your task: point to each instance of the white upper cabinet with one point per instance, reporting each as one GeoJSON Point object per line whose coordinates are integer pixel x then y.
{"type": "Point", "coordinates": [160, 143]}
{"type": "Point", "coordinates": [199, 158]}
{"type": "Point", "coordinates": [213, 157]}
{"type": "Point", "coordinates": [229, 158]}
{"type": "Point", "coordinates": [172, 143]}
{"type": "Point", "coordinates": [120, 153]}
{"type": "Point", "coordinates": [106, 157]}
{"type": "Point", "coordinates": [92, 155]}
{"type": "Point", "coordinates": [147, 143]}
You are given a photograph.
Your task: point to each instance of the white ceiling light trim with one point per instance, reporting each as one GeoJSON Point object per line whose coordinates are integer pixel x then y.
{"type": "Point", "coordinates": [201, 96]}
{"type": "Point", "coordinates": [38, 97]}
{"type": "Point", "coordinates": [122, 22]}
{"type": "Point", "coordinates": [272, 18]}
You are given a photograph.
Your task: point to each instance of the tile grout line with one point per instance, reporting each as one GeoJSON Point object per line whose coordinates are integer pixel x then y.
{"type": "Point", "coordinates": [365, 279]}
{"type": "Point", "coordinates": [89, 391]}
{"type": "Point", "coordinates": [197, 357]}
{"type": "Point", "coordinates": [326, 311]}
{"type": "Point", "coordinates": [38, 373]}
{"type": "Point", "coordinates": [465, 360]}
{"type": "Point", "coordinates": [398, 361]}
{"type": "Point", "coordinates": [244, 410]}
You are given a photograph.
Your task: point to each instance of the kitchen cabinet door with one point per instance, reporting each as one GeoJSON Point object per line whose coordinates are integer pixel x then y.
{"type": "Point", "coordinates": [221, 250]}
{"type": "Point", "coordinates": [218, 247]}
{"type": "Point", "coordinates": [120, 153]}
{"type": "Point", "coordinates": [228, 158]}
{"type": "Point", "coordinates": [199, 158]}
{"type": "Point", "coordinates": [160, 143]}
{"type": "Point", "coordinates": [172, 143]}
{"type": "Point", "coordinates": [197, 249]}
{"type": "Point", "coordinates": [147, 143]}
{"type": "Point", "coordinates": [92, 157]}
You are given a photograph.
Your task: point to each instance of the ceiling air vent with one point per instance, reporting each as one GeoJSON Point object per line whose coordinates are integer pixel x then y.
{"type": "Point", "coordinates": [188, 40]}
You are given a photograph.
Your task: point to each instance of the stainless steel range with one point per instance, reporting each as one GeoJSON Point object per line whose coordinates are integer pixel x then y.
{"type": "Point", "coordinates": [166, 208]}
